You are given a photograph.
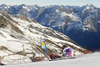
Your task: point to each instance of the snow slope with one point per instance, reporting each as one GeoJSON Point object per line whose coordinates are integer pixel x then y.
{"type": "Point", "coordinates": [20, 39]}
{"type": "Point", "coordinates": [89, 60]}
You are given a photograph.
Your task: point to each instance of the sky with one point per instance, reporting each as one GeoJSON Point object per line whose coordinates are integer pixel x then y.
{"type": "Point", "coordinates": [52, 2]}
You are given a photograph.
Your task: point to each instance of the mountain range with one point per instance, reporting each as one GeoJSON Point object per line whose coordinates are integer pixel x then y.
{"type": "Point", "coordinates": [81, 24]}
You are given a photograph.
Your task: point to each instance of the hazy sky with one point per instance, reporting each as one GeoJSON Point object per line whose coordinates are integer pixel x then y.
{"type": "Point", "coordinates": [52, 2]}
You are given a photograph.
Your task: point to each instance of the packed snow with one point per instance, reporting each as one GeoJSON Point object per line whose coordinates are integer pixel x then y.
{"type": "Point", "coordinates": [89, 60]}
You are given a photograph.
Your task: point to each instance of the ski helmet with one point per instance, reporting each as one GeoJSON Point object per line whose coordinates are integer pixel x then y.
{"type": "Point", "coordinates": [64, 46]}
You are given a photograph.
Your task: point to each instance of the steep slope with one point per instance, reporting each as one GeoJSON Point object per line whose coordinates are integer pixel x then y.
{"type": "Point", "coordinates": [20, 37]}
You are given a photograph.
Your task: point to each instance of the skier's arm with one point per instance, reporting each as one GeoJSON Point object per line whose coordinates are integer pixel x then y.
{"type": "Point", "coordinates": [61, 51]}
{"type": "Point", "coordinates": [64, 49]}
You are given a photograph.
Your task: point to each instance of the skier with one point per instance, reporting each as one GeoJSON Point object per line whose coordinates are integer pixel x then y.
{"type": "Point", "coordinates": [67, 50]}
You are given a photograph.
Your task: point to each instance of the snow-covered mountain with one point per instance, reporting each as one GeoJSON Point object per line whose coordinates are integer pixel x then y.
{"type": "Point", "coordinates": [20, 38]}
{"type": "Point", "coordinates": [81, 24]}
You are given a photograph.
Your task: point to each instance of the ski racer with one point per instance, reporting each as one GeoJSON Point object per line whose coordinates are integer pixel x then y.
{"type": "Point", "coordinates": [67, 51]}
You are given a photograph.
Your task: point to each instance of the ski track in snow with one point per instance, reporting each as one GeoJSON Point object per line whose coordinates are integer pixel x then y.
{"type": "Point", "coordinates": [89, 60]}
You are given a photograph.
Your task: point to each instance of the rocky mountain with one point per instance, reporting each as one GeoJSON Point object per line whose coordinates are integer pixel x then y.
{"type": "Point", "coordinates": [20, 38]}
{"type": "Point", "coordinates": [81, 24]}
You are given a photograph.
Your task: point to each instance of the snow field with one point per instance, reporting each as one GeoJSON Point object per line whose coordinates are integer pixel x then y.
{"type": "Point", "coordinates": [89, 60]}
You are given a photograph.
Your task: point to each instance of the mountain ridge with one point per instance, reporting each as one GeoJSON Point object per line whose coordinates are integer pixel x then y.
{"type": "Point", "coordinates": [65, 19]}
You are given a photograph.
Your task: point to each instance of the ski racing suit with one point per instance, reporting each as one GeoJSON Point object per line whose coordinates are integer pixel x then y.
{"type": "Point", "coordinates": [68, 52]}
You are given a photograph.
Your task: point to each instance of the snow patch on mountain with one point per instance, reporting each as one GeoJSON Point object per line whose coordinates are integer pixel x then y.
{"type": "Point", "coordinates": [76, 17]}
{"type": "Point", "coordinates": [26, 8]}
{"type": "Point", "coordinates": [89, 7]}
{"type": "Point", "coordinates": [74, 25]}
{"type": "Point", "coordinates": [0, 14]}
{"type": "Point", "coordinates": [57, 11]}
{"type": "Point", "coordinates": [63, 14]}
